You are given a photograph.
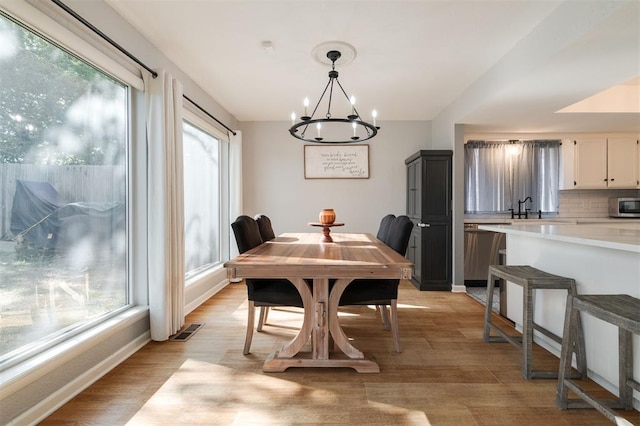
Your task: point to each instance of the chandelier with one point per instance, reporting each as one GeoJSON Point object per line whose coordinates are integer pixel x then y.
{"type": "Point", "coordinates": [330, 129]}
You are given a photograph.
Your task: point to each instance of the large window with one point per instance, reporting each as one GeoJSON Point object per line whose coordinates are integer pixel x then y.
{"type": "Point", "coordinates": [202, 199]}
{"type": "Point", "coordinates": [63, 178]}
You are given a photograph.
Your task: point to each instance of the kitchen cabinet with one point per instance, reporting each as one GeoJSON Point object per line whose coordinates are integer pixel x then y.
{"type": "Point", "coordinates": [429, 192]}
{"type": "Point", "coordinates": [590, 162]}
{"type": "Point", "coordinates": [601, 163]}
{"type": "Point", "coordinates": [622, 163]}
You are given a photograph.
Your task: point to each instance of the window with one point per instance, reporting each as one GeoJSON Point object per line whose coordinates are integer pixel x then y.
{"type": "Point", "coordinates": [202, 199]}
{"type": "Point", "coordinates": [63, 169]}
{"type": "Point", "coordinates": [499, 174]}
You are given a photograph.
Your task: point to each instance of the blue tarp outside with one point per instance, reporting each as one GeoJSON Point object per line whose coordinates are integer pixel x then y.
{"type": "Point", "coordinates": [46, 220]}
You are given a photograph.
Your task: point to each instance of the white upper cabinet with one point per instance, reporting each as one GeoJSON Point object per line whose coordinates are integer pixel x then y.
{"type": "Point", "coordinates": [590, 164]}
{"type": "Point", "coordinates": [601, 163]}
{"type": "Point", "coordinates": [622, 163]}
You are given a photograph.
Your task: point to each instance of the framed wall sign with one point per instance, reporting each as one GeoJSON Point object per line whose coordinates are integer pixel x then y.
{"type": "Point", "coordinates": [336, 161]}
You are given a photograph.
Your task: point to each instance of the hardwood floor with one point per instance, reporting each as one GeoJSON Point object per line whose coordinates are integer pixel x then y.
{"type": "Point", "coordinates": [445, 375]}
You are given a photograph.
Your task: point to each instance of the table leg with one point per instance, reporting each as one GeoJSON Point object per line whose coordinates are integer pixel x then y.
{"type": "Point", "coordinates": [296, 344]}
{"type": "Point", "coordinates": [357, 359]}
{"type": "Point", "coordinates": [320, 322]}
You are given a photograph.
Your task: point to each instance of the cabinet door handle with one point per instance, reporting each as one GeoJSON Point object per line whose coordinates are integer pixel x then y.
{"type": "Point", "coordinates": [423, 225]}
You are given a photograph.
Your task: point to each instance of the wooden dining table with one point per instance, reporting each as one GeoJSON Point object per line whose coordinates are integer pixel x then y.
{"type": "Point", "coordinates": [300, 256]}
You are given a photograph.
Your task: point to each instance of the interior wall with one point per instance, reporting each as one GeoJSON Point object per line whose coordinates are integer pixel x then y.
{"type": "Point", "coordinates": [274, 183]}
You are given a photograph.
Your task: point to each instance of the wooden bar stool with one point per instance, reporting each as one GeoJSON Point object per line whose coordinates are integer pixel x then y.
{"type": "Point", "coordinates": [620, 310]}
{"type": "Point", "coordinates": [530, 279]}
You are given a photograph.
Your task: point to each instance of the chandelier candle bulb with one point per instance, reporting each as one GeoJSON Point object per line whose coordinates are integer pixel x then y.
{"type": "Point", "coordinates": [318, 126]}
{"type": "Point", "coordinates": [293, 119]}
{"type": "Point", "coordinates": [306, 105]}
{"type": "Point", "coordinates": [374, 114]}
{"type": "Point", "coordinates": [355, 126]}
{"type": "Point", "coordinates": [353, 105]}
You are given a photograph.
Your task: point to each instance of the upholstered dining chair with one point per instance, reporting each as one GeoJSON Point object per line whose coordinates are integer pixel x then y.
{"type": "Point", "coordinates": [383, 292]}
{"type": "Point", "coordinates": [262, 293]}
{"type": "Point", "coordinates": [385, 224]}
{"type": "Point", "coordinates": [264, 224]}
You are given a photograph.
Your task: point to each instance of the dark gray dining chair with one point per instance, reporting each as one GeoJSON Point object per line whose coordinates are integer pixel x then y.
{"type": "Point", "coordinates": [385, 224]}
{"type": "Point", "coordinates": [264, 224]}
{"type": "Point", "coordinates": [383, 292]}
{"type": "Point", "coordinates": [262, 293]}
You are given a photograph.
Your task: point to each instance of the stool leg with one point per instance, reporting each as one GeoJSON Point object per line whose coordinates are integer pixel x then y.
{"type": "Point", "coordinates": [487, 312]}
{"type": "Point", "coordinates": [564, 370]}
{"type": "Point", "coordinates": [578, 343]}
{"type": "Point", "coordinates": [527, 331]}
{"type": "Point", "coordinates": [625, 367]}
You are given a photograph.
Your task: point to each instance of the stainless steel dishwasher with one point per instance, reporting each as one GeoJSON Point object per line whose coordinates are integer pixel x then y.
{"type": "Point", "coordinates": [480, 250]}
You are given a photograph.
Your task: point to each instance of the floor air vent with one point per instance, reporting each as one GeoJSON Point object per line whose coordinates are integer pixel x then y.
{"type": "Point", "coordinates": [188, 331]}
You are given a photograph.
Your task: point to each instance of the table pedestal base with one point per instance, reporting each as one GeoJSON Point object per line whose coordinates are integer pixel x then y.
{"type": "Point", "coordinates": [273, 364]}
{"type": "Point", "coordinates": [326, 230]}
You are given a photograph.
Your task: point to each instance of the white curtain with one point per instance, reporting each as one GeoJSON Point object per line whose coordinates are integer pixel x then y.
{"type": "Point", "coordinates": [235, 177]}
{"type": "Point", "coordinates": [498, 174]}
{"type": "Point", "coordinates": [165, 205]}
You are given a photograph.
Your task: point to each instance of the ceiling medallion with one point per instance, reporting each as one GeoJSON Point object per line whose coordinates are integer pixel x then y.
{"type": "Point", "coordinates": [329, 129]}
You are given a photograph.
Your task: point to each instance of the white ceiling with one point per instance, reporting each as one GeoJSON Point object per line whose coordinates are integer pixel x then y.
{"type": "Point", "coordinates": [414, 58]}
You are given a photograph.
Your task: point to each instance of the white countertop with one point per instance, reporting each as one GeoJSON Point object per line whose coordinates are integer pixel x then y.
{"type": "Point", "coordinates": [483, 219]}
{"type": "Point", "coordinates": [610, 234]}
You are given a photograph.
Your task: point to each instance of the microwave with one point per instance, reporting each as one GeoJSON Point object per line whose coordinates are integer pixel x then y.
{"type": "Point", "coordinates": [624, 207]}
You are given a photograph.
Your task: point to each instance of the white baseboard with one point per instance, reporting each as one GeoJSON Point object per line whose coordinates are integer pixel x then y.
{"type": "Point", "coordinates": [201, 287]}
{"type": "Point", "coordinates": [56, 400]}
{"type": "Point", "coordinates": [458, 288]}
{"type": "Point", "coordinates": [200, 299]}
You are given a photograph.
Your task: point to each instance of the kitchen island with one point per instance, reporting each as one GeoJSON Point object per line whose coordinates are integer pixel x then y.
{"type": "Point", "coordinates": [603, 258]}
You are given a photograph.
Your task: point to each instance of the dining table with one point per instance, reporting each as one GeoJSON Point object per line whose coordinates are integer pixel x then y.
{"type": "Point", "coordinates": [303, 258]}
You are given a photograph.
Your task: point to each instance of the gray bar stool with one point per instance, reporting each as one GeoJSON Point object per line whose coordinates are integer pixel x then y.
{"type": "Point", "coordinates": [502, 260]}
{"type": "Point", "coordinates": [530, 279]}
{"type": "Point", "coordinates": [620, 310]}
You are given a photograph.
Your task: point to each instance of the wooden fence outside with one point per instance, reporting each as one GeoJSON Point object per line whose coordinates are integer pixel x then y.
{"type": "Point", "coordinates": [74, 183]}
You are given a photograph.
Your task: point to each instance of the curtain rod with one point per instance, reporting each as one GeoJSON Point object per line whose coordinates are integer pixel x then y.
{"type": "Point", "coordinates": [209, 115]}
{"type": "Point", "coordinates": [103, 35]}
{"type": "Point", "coordinates": [127, 53]}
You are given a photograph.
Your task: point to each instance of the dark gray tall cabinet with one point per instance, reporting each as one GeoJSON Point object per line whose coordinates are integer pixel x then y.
{"type": "Point", "coordinates": [429, 192]}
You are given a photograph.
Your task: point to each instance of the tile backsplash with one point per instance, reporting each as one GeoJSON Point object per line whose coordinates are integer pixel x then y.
{"type": "Point", "coordinates": [590, 203]}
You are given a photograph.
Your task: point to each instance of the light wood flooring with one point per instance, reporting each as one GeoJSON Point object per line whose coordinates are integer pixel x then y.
{"type": "Point", "coordinates": [445, 374]}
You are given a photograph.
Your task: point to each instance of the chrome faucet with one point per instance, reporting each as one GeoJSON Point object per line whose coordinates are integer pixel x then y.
{"type": "Point", "coordinates": [520, 212]}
